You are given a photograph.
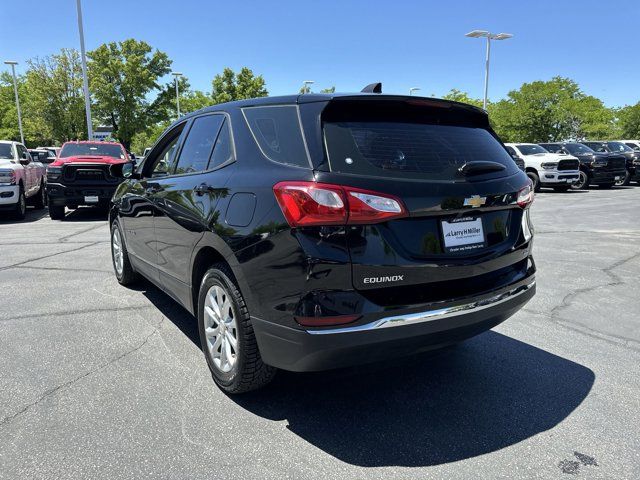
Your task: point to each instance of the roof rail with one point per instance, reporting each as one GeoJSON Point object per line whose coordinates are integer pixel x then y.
{"type": "Point", "coordinates": [373, 88]}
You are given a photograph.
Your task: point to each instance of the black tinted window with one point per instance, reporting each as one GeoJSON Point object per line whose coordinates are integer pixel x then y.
{"type": "Point", "coordinates": [409, 149]}
{"type": "Point", "coordinates": [277, 131]}
{"type": "Point", "coordinates": [222, 151]}
{"type": "Point", "coordinates": [198, 145]}
{"type": "Point", "coordinates": [6, 151]}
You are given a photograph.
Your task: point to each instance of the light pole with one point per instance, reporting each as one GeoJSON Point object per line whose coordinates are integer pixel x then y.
{"type": "Point", "coordinates": [306, 87]}
{"type": "Point", "coordinates": [489, 36]}
{"type": "Point", "coordinates": [413, 89]}
{"type": "Point", "coordinates": [85, 79]}
{"type": "Point", "coordinates": [15, 90]}
{"type": "Point", "coordinates": [176, 75]}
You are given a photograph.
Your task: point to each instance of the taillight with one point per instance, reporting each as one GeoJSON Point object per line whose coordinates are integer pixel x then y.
{"type": "Point", "coordinates": [310, 203]}
{"type": "Point", "coordinates": [525, 196]}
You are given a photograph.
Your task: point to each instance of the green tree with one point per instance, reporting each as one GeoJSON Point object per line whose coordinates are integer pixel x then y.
{"type": "Point", "coordinates": [629, 121]}
{"type": "Point", "coordinates": [553, 110]}
{"type": "Point", "coordinates": [463, 97]}
{"type": "Point", "coordinates": [307, 89]}
{"type": "Point", "coordinates": [124, 78]}
{"type": "Point", "coordinates": [229, 86]}
{"type": "Point", "coordinates": [55, 99]}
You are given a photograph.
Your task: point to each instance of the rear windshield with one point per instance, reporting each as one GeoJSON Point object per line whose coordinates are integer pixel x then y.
{"type": "Point", "coordinates": [91, 150]}
{"type": "Point", "coordinates": [421, 150]}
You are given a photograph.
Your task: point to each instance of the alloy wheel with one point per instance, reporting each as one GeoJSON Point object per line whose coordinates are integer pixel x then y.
{"type": "Point", "coordinates": [582, 182]}
{"type": "Point", "coordinates": [221, 329]}
{"type": "Point", "coordinates": [118, 254]}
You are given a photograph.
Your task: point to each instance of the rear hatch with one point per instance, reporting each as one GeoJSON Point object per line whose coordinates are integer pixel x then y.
{"type": "Point", "coordinates": [458, 184]}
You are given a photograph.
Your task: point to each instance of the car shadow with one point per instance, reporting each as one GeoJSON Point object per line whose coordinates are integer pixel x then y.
{"type": "Point", "coordinates": [481, 396]}
{"type": "Point", "coordinates": [484, 395]}
{"type": "Point", "coordinates": [85, 214]}
{"type": "Point", "coordinates": [32, 215]}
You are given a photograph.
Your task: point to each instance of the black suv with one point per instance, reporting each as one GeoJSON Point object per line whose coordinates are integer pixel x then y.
{"type": "Point", "coordinates": [596, 168]}
{"type": "Point", "coordinates": [311, 232]}
{"type": "Point", "coordinates": [620, 149]}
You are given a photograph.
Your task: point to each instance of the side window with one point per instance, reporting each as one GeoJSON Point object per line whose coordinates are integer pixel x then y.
{"type": "Point", "coordinates": [23, 153]}
{"type": "Point", "coordinates": [195, 153]}
{"type": "Point", "coordinates": [276, 129]}
{"type": "Point", "coordinates": [222, 151]}
{"type": "Point", "coordinates": [160, 165]}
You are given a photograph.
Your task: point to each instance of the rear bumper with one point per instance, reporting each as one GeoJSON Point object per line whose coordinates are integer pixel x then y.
{"type": "Point", "coordinates": [61, 194]}
{"type": "Point", "coordinates": [8, 195]}
{"type": "Point", "coordinates": [404, 332]}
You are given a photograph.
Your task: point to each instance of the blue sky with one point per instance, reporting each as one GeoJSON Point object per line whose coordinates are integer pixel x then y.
{"type": "Point", "coordinates": [352, 43]}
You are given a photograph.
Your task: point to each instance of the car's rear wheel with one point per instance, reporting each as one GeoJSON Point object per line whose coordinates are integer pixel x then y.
{"type": "Point", "coordinates": [56, 212]}
{"type": "Point", "coordinates": [125, 274]}
{"type": "Point", "coordinates": [583, 181]}
{"type": "Point", "coordinates": [535, 180]}
{"type": "Point", "coordinates": [226, 334]}
{"type": "Point", "coordinates": [20, 210]}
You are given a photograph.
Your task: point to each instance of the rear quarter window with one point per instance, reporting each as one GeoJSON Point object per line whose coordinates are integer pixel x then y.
{"type": "Point", "coordinates": [276, 130]}
{"type": "Point", "coordinates": [416, 150]}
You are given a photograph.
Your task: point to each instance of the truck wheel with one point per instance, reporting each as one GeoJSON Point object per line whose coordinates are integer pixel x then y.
{"type": "Point", "coordinates": [125, 274]}
{"type": "Point", "coordinates": [226, 334]}
{"type": "Point", "coordinates": [20, 210]}
{"type": "Point", "coordinates": [40, 198]}
{"type": "Point", "coordinates": [535, 180]}
{"type": "Point", "coordinates": [625, 181]}
{"type": "Point", "coordinates": [56, 212]}
{"type": "Point", "coordinates": [583, 181]}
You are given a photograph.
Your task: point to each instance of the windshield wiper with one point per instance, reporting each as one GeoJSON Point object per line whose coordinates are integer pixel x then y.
{"type": "Point", "coordinates": [479, 167]}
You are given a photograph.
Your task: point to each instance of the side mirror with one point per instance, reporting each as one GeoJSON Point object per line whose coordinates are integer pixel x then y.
{"type": "Point", "coordinates": [24, 160]}
{"type": "Point", "coordinates": [123, 170]}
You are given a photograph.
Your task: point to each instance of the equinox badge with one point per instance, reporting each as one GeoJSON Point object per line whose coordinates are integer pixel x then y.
{"type": "Point", "coordinates": [475, 201]}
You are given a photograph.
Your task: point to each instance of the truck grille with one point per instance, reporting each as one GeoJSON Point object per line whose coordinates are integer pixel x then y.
{"type": "Point", "coordinates": [568, 165]}
{"type": "Point", "coordinates": [88, 174]}
{"type": "Point", "coordinates": [616, 163]}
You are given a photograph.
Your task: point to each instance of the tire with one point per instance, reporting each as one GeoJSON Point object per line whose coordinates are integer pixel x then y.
{"type": "Point", "coordinates": [606, 186]}
{"type": "Point", "coordinates": [244, 370]}
{"type": "Point", "coordinates": [56, 212]}
{"type": "Point", "coordinates": [625, 181]}
{"type": "Point", "coordinates": [40, 198]}
{"type": "Point", "coordinates": [535, 180]}
{"type": "Point", "coordinates": [583, 181]}
{"type": "Point", "coordinates": [562, 188]}
{"type": "Point", "coordinates": [20, 210]}
{"type": "Point", "coordinates": [125, 274]}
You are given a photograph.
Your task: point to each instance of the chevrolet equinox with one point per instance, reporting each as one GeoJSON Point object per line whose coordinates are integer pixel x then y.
{"type": "Point", "coordinates": [318, 231]}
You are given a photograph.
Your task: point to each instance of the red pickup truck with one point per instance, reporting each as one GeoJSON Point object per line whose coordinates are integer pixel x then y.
{"type": "Point", "coordinates": [81, 175]}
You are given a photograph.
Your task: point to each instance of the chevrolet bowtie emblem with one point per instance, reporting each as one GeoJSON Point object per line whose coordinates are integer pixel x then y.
{"type": "Point", "coordinates": [475, 201]}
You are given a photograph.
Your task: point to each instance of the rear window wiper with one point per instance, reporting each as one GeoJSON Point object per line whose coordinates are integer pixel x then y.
{"type": "Point", "coordinates": [480, 167]}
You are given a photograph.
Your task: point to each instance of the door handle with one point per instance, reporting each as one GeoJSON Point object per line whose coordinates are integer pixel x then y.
{"type": "Point", "coordinates": [202, 189]}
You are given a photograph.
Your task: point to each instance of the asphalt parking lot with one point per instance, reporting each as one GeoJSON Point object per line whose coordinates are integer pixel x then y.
{"type": "Point", "coordinates": [97, 380]}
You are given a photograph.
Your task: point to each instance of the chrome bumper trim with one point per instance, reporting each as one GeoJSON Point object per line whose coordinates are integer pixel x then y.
{"type": "Point", "coordinates": [432, 315]}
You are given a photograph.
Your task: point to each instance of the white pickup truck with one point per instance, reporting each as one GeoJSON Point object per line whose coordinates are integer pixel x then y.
{"type": "Point", "coordinates": [21, 179]}
{"type": "Point", "coordinates": [546, 169]}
